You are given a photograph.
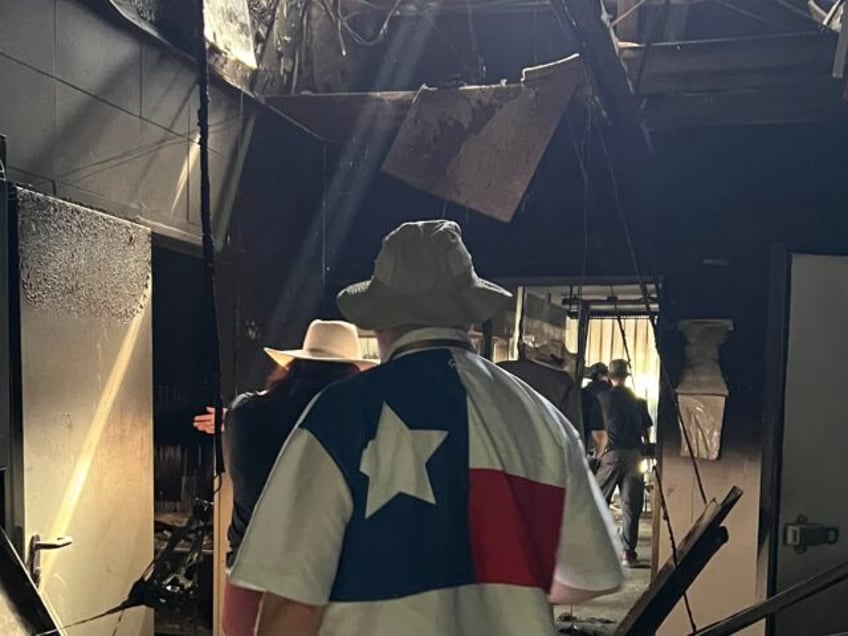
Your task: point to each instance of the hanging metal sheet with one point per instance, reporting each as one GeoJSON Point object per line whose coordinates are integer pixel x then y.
{"type": "Point", "coordinates": [479, 146]}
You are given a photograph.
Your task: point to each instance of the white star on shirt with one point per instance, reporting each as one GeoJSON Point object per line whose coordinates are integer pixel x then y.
{"type": "Point", "coordinates": [396, 461]}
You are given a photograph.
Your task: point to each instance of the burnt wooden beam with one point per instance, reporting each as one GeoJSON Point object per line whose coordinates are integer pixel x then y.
{"type": "Point", "coordinates": [599, 49]}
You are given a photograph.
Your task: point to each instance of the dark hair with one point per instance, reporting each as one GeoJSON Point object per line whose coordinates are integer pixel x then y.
{"type": "Point", "coordinates": [327, 372]}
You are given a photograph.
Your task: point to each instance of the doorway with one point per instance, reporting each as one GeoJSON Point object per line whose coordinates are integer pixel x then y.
{"type": "Point", "coordinates": [183, 457]}
{"type": "Point", "coordinates": [599, 321]}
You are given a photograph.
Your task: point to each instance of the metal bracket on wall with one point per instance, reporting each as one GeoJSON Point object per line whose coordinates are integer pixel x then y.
{"type": "Point", "coordinates": [801, 534]}
{"type": "Point", "coordinates": [36, 545]}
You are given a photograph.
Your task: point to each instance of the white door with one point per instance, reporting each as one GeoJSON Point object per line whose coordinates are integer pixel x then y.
{"type": "Point", "coordinates": [86, 384]}
{"type": "Point", "coordinates": [814, 483]}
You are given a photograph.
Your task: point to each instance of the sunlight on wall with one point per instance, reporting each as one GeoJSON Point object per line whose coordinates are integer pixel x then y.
{"type": "Point", "coordinates": [82, 467]}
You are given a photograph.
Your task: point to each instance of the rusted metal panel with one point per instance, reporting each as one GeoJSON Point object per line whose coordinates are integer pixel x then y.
{"type": "Point", "coordinates": [479, 146]}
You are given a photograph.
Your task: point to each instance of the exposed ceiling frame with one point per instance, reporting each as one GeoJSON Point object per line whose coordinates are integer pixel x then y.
{"type": "Point", "coordinates": [599, 48]}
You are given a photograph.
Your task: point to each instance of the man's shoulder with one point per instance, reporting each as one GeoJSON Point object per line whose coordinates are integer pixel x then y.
{"type": "Point", "coordinates": [359, 386]}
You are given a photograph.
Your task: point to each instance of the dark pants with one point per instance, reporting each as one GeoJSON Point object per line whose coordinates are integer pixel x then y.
{"type": "Point", "coordinates": [621, 468]}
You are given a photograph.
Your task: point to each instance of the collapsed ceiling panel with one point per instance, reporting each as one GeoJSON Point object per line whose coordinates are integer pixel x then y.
{"type": "Point", "coordinates": [479, 146]}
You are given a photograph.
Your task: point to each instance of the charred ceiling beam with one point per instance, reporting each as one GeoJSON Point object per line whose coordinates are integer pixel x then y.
{"type": "Point", "coordinates": [600, 51]}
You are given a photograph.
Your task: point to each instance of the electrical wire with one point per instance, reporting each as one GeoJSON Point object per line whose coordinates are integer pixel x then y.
{"type": "Point", "coordinates": [663, 506]}
{"type": "Point", "coordinates": [644, 289]}
{"type": "Point", "coordinates": [749, 14]}
{"type": "Point", "coordinates": [653, 36]}
{"type": "Point", "coordinates": [583, 158]}
{"type": "Point", "coordinates": [445, 39]}
{"type": "Point", "coordinates": [118, 623]}
{"type": "Point", "coordinates": [480, 74]}
{"type": "Point", "coordinates": [627, 13]}
{"type": "Point", "coordinates": [674, 553]}
{"type": "Point", "coordinates": [621, 328]}
{"type": "Point", "coordinates": [342, 22]}
{"type": "Point", "coordinates": [800, 13]}
{"type": "Point", "coordinates": [137, 152]}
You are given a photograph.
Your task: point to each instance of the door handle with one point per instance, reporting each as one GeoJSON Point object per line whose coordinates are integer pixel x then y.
{"type": "Point", "coordinates": [36, 545]}
{"type": "Point", "coordinates": [802, 534]}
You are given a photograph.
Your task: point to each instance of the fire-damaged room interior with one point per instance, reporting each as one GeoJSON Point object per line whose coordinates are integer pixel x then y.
{"type": "Point", "coordinates": [622, 419]}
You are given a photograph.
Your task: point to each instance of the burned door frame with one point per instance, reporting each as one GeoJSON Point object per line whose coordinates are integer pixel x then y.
{"type": "Point", "coordinates": [777, 347]}
{"type": "Point", "coordinates": [14, 512]}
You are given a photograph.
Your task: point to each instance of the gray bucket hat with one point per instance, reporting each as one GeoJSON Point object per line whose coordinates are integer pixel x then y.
{"type": "Point", "coordinates": [423, 276]}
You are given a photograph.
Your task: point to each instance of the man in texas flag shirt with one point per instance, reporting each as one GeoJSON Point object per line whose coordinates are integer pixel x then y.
{"type": "Point", "coordinates": [435, 495]}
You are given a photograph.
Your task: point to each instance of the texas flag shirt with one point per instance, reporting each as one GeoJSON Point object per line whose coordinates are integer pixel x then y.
{"type": "Point", "coordinates": [434, 495]}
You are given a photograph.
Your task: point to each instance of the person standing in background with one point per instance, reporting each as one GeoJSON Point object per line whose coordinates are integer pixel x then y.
{"type": "Point", "coordinates": [543, 368]}
{"type": "Point", "coordinates": [627, 422]}
{"type": "Point", "coordinates": [257, 426]}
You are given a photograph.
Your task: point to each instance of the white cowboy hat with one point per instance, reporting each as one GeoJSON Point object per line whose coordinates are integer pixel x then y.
{"type": "Point", "coordinates": [325, 341]}
{"type": "Point", "coordinates": [423, 276]}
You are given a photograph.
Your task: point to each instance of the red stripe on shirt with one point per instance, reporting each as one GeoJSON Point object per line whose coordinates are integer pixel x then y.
{"type": "Point", "coordinates": [514, 527]}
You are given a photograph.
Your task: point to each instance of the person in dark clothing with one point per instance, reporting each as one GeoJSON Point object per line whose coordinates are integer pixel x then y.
{"type": "Point", "coordinates": [627, 422]}
{"type": "Point", "coordinates": [543, 368]}
{"type": "Point", "coordinates": [594, 431]}
{"type": "Point", "coordinates": [256, 427]}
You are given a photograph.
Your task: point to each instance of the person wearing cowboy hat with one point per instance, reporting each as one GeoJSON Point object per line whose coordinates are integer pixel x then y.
{"type": "Point", "coordinates": [258, 423]}
{"type": "Point", "coordinates": [427, 496]}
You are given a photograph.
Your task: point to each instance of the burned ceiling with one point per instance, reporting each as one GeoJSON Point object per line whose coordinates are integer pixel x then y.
{"type": "Point", "coordinates": [237, 30]}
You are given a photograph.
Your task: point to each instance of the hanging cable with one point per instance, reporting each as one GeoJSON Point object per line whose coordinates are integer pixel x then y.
{"type": "Point", "coordinates": [653, 36]}
{"type": "Point", "coordinates": [118, 623]}
{"type": "Point", "coordinates": [214, 370]}
{"type": "Point", "coordinates": [583, 157]}
{"type": "Point", "coordinates": [342, 21]}
{"type": "Point", "coordinates": [652, 316]}
{"type": "Point", "coordinates": [663, 507]}
{"type": "Point", "coordinates": [621, 328]}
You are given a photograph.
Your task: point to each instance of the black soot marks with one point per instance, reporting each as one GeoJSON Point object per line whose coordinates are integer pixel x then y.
{"type": "Point", "coordinates": [79, 262]}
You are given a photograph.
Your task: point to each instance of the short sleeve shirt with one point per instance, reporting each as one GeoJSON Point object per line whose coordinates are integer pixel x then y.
{"type": "Point", "coordinates": [430, 492]}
